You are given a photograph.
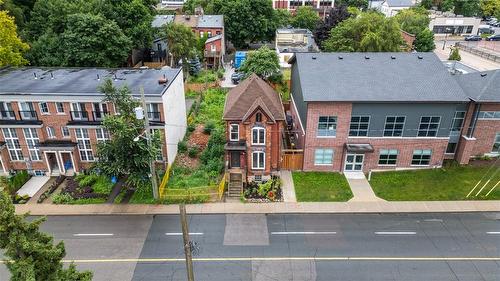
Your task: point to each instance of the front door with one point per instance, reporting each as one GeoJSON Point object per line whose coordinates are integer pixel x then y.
{"type": "Point", "coordinates": [354, 162]}
{"type": "Point", "coordinates": [235, 159]}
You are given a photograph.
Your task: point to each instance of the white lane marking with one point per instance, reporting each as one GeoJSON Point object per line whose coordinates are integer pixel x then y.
{"type": "Point", "coordinates": [303, 232]}
{"type": "Point", "coordinates": [433, 220]}
{"type": "Point", "coordinates": [93, 234]}
{"type": "Point", "coordinates": [180, 233]}
{"type": "Point", "coordinates": [493, 232]}
{"type": "Point", "coordinates": [395, 232]}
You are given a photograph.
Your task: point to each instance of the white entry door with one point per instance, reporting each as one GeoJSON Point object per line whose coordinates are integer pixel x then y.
{"type": "Point", "coordinates": [354, 162]}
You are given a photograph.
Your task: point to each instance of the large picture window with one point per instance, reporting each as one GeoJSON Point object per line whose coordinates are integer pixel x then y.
{"type": "Point", "coordinates": [13, 145]}
{"type": "Point", "coordinates": [323, 156]}
{"type": "Point", "coordinates": [327, 126]}
{"type": "Point", "coordinates": [388, 157]}
{"type": "Point", "coordinates": [32, 141]}
{"type": "Point", "coordinates": [429, 126]}
{"type": "Point", "coordinates": [359, 126]}
{"type": "Point", "coordinates": [258, 136]}
{"type": "Point", "coordinates": [258, 160]}
{"type": "Point", "coordinates": [421, 157]}
{"type": "Point", "coordinates": [84, 147]}
{"type": "Point", "coordinates": [394, 126]}
{"type": "Point", "coordinates": [457, 124]}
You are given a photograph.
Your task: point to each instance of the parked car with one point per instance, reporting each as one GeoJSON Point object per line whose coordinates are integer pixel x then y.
{"type": "Point", "coordinates": [495, 37]}
{"type": "Point", "coordinates": [473, 38]}
{"type": "Point", "coordinates": [237, 76]}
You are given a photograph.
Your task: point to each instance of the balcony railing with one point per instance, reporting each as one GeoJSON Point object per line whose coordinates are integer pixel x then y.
{"type": "Point", "coordinates": [79, 115]}
{"type": "Point", "coordinates": [7, 115]}
{"type": "Point", "coordinates": [154, 115]}
{"type": "Point", "coordinates": [99, 115]}
{"type": "Point", "coordinates": [28, 115]}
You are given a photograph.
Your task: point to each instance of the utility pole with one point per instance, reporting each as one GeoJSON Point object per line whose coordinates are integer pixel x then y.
{"type": "Point", "coordinates": [148, 139]}
{"type": "Point", "coordinates": [187, 245]}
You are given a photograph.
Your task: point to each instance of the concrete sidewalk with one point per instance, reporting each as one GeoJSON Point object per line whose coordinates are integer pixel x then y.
{"type": "Point", "coordinates": [265, 208]}
{"type": "Point", "coordinates": [360, 187]}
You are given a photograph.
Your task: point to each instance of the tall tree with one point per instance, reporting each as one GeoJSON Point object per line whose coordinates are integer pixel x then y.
{"type": "Point", "coordinates": [361, 4]}
{"type": "Point", "coordinates": [335, 16]}
{"type": "Point", "coordinates": [369, 32]}
{"type": "Point", "coordinates": [11, 46]}
{"type": "Point", "coordinates": [305, 17]}
{"type": "Point", "coordinates": [264, 62]}
{"type": "Point", "coordinates": [181, 42]}
{"type": "Point", "coordinates": [469, 8]}
{"type": "Point", "coordinates": [490, 7]}
{"type": "Point", "coordinates": [121, 156]}
{"type": "Point", "coordinates": [32, 253]}
{"type": "Point", "coordinates": [424, 42]}
{"type": "Point", "coordinates": [455, 55]}
{"type": "Point", "coordinates": [413, 20]}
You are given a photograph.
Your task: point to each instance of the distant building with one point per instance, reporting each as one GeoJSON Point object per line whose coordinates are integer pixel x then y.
{"type": "Point", "coordinates": [321, 6]}
{"type": "Point", "coordinates": [456, 25]}
{"type": "Point", "coordinates": [293, 40]}
{"type": "Point", "coordinates": [391, 7]}
{"type": "Point", "coordinates": [171, 4]}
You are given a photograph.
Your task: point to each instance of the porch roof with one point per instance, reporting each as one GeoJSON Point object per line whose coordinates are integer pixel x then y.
{"type": "Point", "coordinates": [359, 147]}
{"type": "Point", "coordinates": [236, 145]}
{"type": "Point", "coordinates": [56, 144]}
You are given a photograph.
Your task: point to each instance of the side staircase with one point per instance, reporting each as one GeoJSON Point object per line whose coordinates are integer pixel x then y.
{"type": "Point", "coordinates": [235, 187]}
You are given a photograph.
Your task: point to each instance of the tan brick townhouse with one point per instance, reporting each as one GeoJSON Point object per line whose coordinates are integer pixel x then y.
{"type": "Point", "coordinates": [371, 111]}
{"type": "Point", "coordinates": [50, 119]}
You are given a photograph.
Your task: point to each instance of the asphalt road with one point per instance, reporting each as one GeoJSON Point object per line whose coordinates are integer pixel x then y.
{"type": "Point", "coordinates": [285, 247]}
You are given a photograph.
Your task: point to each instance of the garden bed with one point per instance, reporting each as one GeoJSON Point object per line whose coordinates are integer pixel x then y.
{"type": "Point", "coordinates": [269, 191]}
{"type": "Point", "coordinates": [321, 187]}
{"type": "Point", "coordinates": [84, 189]}
{"type": "Point", "coordinates": [13, 183]}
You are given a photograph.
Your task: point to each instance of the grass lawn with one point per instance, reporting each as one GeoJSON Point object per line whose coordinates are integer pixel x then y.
{"type": "Point", "coordinates": [451, 183]}
{"type": "Point", "coordinates": [321, 187]}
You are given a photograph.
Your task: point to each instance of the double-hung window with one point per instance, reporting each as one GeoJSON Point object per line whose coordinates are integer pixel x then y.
{"type": "Point", "coordinates": [102, 135]}
{"type": "Point", "coordinates": [44, 108]}
{"type": "Point", "coordinates": [84, 147]}
{"type": "Point", "coordinates": [323, 156]}
{"type": "Point", "coordinates": [65, 132]}
{"type": "Point", "coordinates": [234, 132]}
{"type": "Point", "coordinates": [32, 141]}
{"type": "Point", "coordinates": [13, 145]}
{"type": "Point", "coordinates": [429, 126]}
{"type": "Point", "coordinates": [359, 126]}
{"type": "Point", "coordinates": [388, 157]}
{"type": "Point", "coordinates": [258, 136]}
{"type": "Point", "coordinates": [327, 126]}
{"type": "Point", "coordinates": [421, 157]}
{"type": "Point", "coordinates": [258, 160]}
{"type": "Point", "coordinates": [394, 126]}
{"type": "Point", "coordinates": [496, 144]}
{"type": "Point", "coordinates": [51, 133]}
{"type": "Point", "coordinates": [60, 107]}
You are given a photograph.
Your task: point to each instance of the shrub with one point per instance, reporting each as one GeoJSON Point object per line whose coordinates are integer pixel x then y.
{"type": "Point", "coordinates": [88, 180]}
{"type": "Point", "coordinates": [18, 180]}
{"type": "Point", "coordinates": [220, 73]}
{"type": "Point", "coordinates": [62, 198]}
{"type": "Point", "coordinates": [182, 146]}
{"type": "Point", "coordinates": [191, 127]}
{"type": "Point", "coordinates": [209, 127]}
{"type": "Point", "coordinates": [193, 151]}
{"type": "Point", "coordinates": [18, 199]}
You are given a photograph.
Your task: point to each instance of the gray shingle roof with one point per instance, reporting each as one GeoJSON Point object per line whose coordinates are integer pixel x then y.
{"type": "Point", "coordinates": [161, 20]}
{"type": "Point", "coordinates": [399, 3]}
{"type": "Point", "coordinates": [406, 78]}
{"type": "Point", "coordinates": [207, 21]}
{"type": "Point", "coordinates": [81, 81]}
{"type": "Point", "coordinates": [481, 86]}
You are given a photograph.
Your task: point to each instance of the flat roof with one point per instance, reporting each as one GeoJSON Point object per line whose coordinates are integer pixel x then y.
{"type": "Point", "coordinates": [82, 81]}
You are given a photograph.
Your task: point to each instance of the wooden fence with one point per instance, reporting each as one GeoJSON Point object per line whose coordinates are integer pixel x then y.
{"type": "Point", "coordinates": [292, 159]}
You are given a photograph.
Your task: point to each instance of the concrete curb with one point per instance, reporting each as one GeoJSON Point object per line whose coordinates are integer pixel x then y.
{"type": "Point", "coordinates": [264, 208]}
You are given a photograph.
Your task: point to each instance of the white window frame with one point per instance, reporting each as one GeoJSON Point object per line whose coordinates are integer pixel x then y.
{"type": "Point", "coordinates": [66, 136]}
{"type": "Point", "coordinates": [13, 146]}
{"type": "Point", "coordinates": [324, 152]}
{"type": "Point", "coordinates": [491, 115]}
{"type": "Point", "coordinates": [231, 132]}
{"type": "Point", "coordinates": [388, 152]}
{"type": "Point", "coordinates": [57, 108]}
{"type": "Point", "coordinates": [32, 141]}
{"type": "Point", "coordinates": [394, 124]}
{"type": "Point", "coordinates": [455, 131]}
{"type": "Point", "coordinates": [51, 132]}
{"type": "Point", "coordinates": [77, 107]}
{"type": "Point", "coordinates": [261, 157]}
{"type": "Point", "coordinates": [101, 135]}
{"type": "Point", "coordinates": [331, 127]}
{"type": "Point", "coordinates": [8, 111]}
{"type": "Point", "coordinates": [428, 129]}
{"type": "Point", "coordinates": [496, 142]}
{"type": "Point", "coordinates": [421, 154]}
{"type": "Point", "coordinates": [42, 106]}
{"type": "Point", "coordinates": [84, 145]}
{"type": "Point", "coordinates": [259, 140]}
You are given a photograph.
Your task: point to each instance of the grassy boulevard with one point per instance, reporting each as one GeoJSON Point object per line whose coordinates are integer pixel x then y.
{"type": "Point", "coordinates": [321, 187]}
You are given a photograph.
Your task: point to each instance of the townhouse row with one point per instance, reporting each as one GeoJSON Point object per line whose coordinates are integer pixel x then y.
{"type": "Point", "coordinates": [51, 119]}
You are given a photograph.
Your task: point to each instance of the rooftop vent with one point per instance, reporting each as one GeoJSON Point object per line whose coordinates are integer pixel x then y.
{"type": "Point", "coordinates": [393, 57]}
{"type": "Point", "coordinates": [98, 77]}
{"type": "Point", "coordinates": [484, 74]}
{"type": "Point", "coordinates": [116, 78]}
{"type": "Point", "coordinates": [163, 79]}
{"type": "Point", "coordinates": [420, 57]}
{"type": "Point", "coordinates": [34, 74]}
{"type": "Point", "coordinates": [341, 57]}
{"type": "Point", "coordinates": [367, 57]}
{"type": "Point", "coordinates": [313, 57]}
{"type": "Point", "coordinates": [51, 75]}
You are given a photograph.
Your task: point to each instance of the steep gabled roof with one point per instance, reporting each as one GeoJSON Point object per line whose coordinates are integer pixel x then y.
{"type": "Point", "coordinates": [481, 86]}
{"type": "Point", "coordinates": [253, 93]}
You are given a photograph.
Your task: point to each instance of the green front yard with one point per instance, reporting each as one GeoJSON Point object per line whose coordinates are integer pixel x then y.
{"type": "Point", "coordinates": [449, 183]}
{"type": "Point", "coordinates": [321, 187]}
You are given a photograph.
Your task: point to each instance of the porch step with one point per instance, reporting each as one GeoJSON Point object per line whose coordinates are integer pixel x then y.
{"type": "Point", "coordinates": [235, 186]}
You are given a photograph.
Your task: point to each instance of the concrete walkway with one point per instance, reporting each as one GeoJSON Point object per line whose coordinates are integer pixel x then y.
{"type": "Point", "coordinates": [360, 187]}
{"type": "Point", "coordinates": [264, 208]}
{"type": "Point", "coordinates": [32, 186]}
{"type": "Point", "coordinates": [287, 187]}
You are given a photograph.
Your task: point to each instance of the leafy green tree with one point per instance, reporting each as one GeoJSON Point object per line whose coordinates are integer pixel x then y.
{"type": "Point", "coordinates": [32, 254]}
{"type": "Point", "coordinates": [91, 40]}
{"type": "Point", "coordinates": [424, 41]}
{"type": "Point", "coordinates": [305, 17]}
{"type": "Point", "coordinates": [121, 156]}
{"type": "Point", "coordinates": [469, 8]}
{"type": "Point", "coordinates": [181, 41]}
{"type": "Point", "coordinates": [11, 46]}
{"type": "Point", "coordinates": [335, 16]}
{"type": "Point", "coordinates": [490, 7]}
{"type": "Point", "coordinates": [282, 18]}
{"type": "Point", "coordinates": [264, 62]}
{"type": "Point", "coordinates": [455, 55]}
{"type": "Point", "coordinates": [361, 4]}
{"type": "Point", "coordinates": [369, 32]}
{"type": "Point", "coordinates": [413, 20]}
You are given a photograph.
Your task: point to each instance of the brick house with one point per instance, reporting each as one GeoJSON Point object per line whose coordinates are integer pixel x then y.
{"type": "Point", "coordinates": [50, 119]}
{"type": "Point", "coordinates": [321, 6]}
{"type": "Point", "coordinates": [254, 118]}
{"type": "Point", "coordinates": [374, 111]}
{"type": "Point", "coordinates": [209, 26]}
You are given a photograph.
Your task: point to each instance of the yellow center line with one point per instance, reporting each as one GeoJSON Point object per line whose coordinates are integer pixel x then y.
{"type": "Point", "coordinates": [233, 259]}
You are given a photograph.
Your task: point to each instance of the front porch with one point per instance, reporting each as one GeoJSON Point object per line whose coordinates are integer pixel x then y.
{"type": "Point", "coordinates": [59, 157]}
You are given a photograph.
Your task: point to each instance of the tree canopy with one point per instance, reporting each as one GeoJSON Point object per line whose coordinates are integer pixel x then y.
{"type": "Point", "coordinates": [335, 16]}
{"type": "Point", "coordinates": [33, 253]}
{"type": "Point", "coordinates": [369, 32]}
{"type": "Point", "coordinates": [467, 8]}
{"type": "Point", "coordinates": [121, 156]}
{"type": "Point", "coordinates": [424, 42]}
{"type": "Point", "coordinates": [490, 7]}
{"type": "Point", "coordinates": [11, 46]}
{"type": "Point", "coordinates": [361, 4]}
{"type": "Point", "coordinates": [305, 17]}
{"type": "Point", "coordinates": [416, 21]}
{"type": "Point", "coordinates": [181, 41]}
{"type": "Point", "coordinates": [264, 62]}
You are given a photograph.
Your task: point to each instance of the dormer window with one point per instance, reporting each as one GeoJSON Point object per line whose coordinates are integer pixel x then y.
{"type": "Point", "coordinates": [258, 136]}
{"type": "Point", "coordinates": [258, 117]}
{"type": "Point", "coordinates": [234, 132]}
